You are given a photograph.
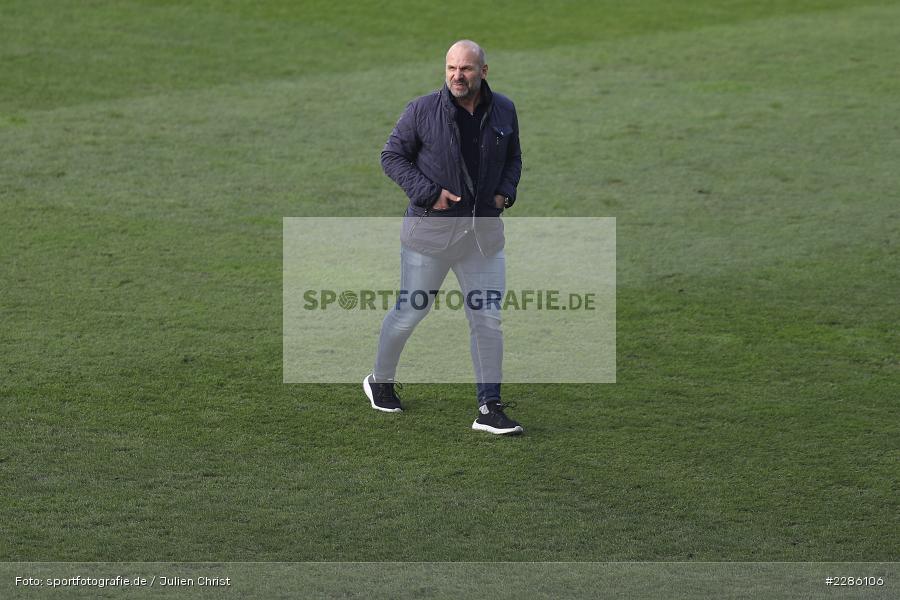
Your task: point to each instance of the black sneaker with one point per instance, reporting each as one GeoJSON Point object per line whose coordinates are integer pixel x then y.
{"type": "Point", "coordinates": [492, 420]}
{"type": "Point", "coordinates": [382, 395]}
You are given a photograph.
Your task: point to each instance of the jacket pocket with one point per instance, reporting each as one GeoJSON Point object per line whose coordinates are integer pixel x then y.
{"type": "Point", "coordinates": [427, 233]}
{"type": "Point", "coordinates": [502, 135]}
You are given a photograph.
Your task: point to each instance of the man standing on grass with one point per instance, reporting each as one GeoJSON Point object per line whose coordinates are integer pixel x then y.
{"type": "Point", "coordinates": [455, 152]}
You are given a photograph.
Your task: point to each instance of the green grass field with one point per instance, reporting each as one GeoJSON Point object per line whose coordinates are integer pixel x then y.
{"type": "Point", "coordinates": [748, 150]}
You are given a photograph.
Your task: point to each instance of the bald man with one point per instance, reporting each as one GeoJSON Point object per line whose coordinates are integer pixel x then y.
{"type": "Point", "coordinates": [456, 155]}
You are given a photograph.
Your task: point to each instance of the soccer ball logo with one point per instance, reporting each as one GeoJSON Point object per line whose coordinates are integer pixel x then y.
{"type": "Point", "coordinates": [347, 300]}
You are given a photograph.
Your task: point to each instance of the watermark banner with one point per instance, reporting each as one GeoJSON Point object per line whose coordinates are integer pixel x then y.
{"type": "Point", "coordinates": [456, 581]}
{"type": "Point", "coordinates": [518, 300]}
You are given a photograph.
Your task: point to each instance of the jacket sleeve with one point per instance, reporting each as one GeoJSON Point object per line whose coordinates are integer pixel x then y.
{"type": "Point", "coordinates": [399, 156]}
{"type": "Point", "coordinates": [512, 169]}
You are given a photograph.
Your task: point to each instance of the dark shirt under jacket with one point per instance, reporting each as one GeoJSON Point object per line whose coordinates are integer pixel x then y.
{"type": "Point", "coordinates": [469, 142]}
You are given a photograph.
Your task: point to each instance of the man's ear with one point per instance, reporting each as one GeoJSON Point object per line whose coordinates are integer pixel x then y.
{"type": "Point", "coordinates": [484, 71]}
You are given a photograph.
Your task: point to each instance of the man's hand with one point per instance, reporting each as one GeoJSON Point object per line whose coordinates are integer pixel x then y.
{"type": "Point", "coordinates": [499, 201]}
{"type": "Point", "coordinates": [444, 200]}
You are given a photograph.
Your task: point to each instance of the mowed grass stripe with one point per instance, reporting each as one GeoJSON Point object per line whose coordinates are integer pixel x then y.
{"type": "Point", "coordinates": [61, 53]}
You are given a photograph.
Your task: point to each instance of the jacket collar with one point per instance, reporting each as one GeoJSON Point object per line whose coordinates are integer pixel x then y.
{"type": "Point", "coordinates": [487, 97]}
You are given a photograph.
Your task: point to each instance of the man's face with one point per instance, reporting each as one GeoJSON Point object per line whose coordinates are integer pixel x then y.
{"type": "Point", "coordinates": [464, 73]}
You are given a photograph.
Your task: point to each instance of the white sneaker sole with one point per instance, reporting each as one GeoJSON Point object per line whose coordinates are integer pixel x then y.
{"type": "Point", "coordinates": [479, 427]}
{"type": "Point", "coordinates": [368, 390]}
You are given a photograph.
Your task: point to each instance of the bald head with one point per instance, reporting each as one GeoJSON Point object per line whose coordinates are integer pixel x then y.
{"type": "Point", "coordinates": [469, 48]}
{"type": "Point", "coordinates": [465, 69]}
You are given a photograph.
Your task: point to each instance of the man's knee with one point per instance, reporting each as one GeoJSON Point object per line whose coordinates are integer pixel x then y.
{"type": "Point", "coordinates": [407, 316]}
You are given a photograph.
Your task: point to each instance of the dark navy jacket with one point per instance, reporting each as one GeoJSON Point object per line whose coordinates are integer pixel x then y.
{"type": "Point", "coordinates": [423, 155]}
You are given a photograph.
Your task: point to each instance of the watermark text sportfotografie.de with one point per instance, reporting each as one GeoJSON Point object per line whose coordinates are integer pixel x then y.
{"type": "Point", "coordinates": [453, 299]}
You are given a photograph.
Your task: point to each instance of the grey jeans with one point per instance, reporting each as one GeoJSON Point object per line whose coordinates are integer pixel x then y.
{"type": "Point", "coordinates": [482, 280]}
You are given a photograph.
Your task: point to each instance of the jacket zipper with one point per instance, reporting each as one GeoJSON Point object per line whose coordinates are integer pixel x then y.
{"type": "Point", "coordinates": [480, 178]}
{"type": "Point", "coordinates": [416, 224]}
